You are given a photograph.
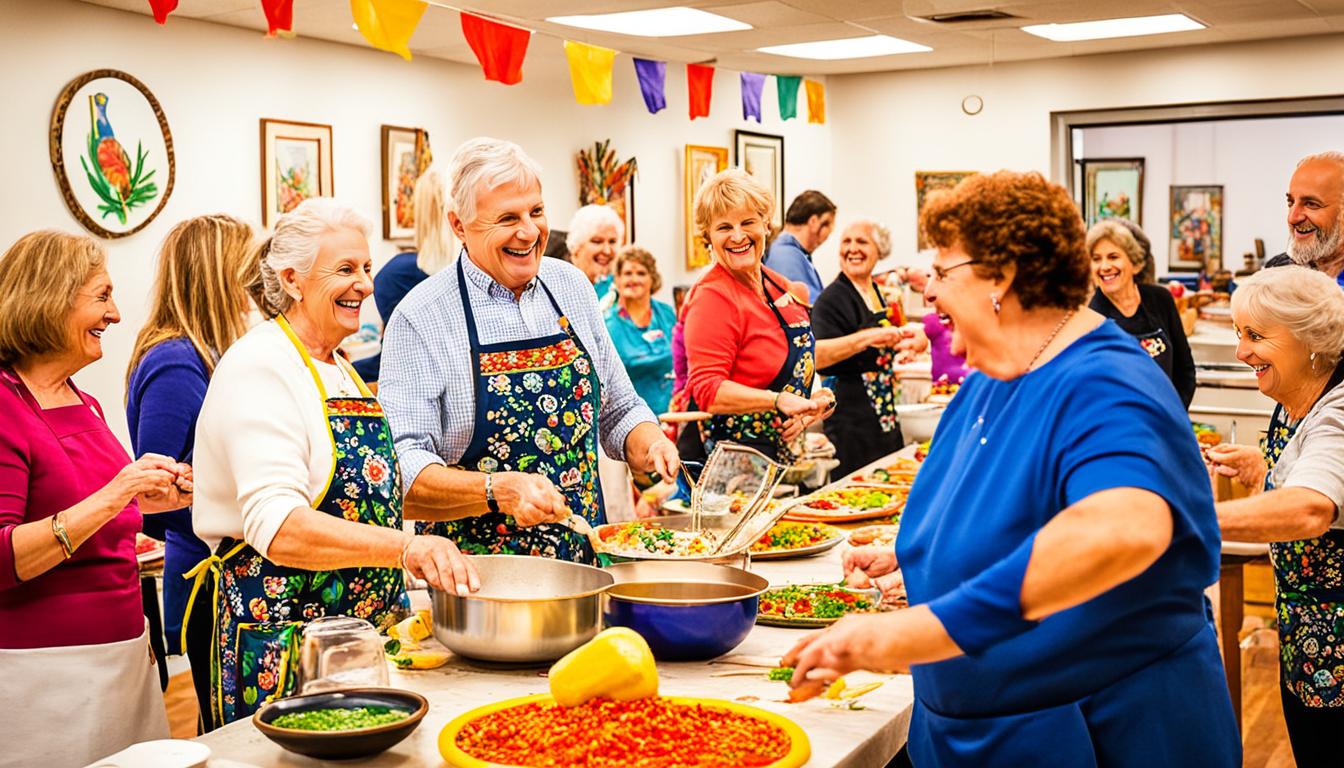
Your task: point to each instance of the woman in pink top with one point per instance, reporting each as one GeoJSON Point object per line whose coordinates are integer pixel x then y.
{"type": "Point", "coordinates": [74, 650]}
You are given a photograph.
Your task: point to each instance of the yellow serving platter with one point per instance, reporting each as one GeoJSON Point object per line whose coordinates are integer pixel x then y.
{"type": "Point", "coordinates": [800, 750]}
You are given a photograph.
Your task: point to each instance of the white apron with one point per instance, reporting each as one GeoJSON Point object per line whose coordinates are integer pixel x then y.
{"type": "Point", "coordinates": [68, 706]}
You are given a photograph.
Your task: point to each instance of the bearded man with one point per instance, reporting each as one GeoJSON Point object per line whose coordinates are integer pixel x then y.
{"type": "Point", "coordinates": [1316, 215]}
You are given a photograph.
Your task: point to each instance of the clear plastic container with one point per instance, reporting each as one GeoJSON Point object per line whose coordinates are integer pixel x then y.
{"type": "Point", "coordinates": [341, 652]}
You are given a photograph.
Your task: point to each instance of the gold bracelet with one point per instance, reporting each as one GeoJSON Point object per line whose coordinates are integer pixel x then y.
{"type": "Point", "coordinates": [63, 537]}
{"type": "Point", "coordinates": [402, 560]}
{"type": "Point", "coordinates": [778, 395]}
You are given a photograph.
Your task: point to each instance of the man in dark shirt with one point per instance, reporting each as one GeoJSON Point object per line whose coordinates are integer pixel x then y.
{"type": "Point", "coordinates": [1316, 215]}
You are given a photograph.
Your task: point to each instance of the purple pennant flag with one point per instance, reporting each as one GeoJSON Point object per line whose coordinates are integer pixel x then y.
{"type": "Point", "coordinates": [752, 84]}
{"type": "Point", "coordinates": [652, 81]}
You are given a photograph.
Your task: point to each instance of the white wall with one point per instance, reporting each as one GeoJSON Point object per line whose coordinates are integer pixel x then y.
{"type": "Point", "coordinates": [215, 82]}
{"type": "Point", "coordinates": [1252, 159]}
{"type": "Point", "coordinates": [886, 126]}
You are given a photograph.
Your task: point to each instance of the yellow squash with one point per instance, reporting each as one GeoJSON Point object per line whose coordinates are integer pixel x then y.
{"type": "Point", "coordinates": [617, 664]}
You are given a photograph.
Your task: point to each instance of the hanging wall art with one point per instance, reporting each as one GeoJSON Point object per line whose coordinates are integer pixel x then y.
{"type": "Point", "coordinates": [112, 152]}
{"type": "Point", "coordinates": [406, 155]}
{"type": "Point", "coordinates": [701, 165]}
{"type": "Point", "coordinates": [295, 165]}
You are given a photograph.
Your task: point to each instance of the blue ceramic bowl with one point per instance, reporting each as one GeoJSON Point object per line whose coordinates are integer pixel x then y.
{"type": "Point", "coordinates": [687, 611]}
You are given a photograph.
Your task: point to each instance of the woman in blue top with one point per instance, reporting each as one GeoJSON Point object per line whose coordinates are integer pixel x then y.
{"type": "Point", "coordinates": [208, 275]}
{"type": "Point", "coordinates": [1057, 543]}
{"type": "Point", "coordinates": [641, 327]}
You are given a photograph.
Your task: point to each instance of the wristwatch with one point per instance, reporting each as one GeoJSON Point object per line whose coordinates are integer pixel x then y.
{"type": "Point", "coordinates": [490, 493]}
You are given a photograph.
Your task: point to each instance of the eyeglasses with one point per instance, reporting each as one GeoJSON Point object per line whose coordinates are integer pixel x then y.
{"type": "Point", "coordinates": [941, 273]}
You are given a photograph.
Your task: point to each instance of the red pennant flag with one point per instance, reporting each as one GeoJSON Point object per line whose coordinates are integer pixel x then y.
{"type": "Point", "coordinates": [700, 81]}
{"type": "Point", "coordinates": [498, 47]}
{"type": "Point", "coordinates": [279, 17]}
{"type": "Point", "coordinates": [162, 8]}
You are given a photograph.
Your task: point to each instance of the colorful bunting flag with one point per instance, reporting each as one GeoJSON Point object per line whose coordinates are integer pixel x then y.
{"type": "Point", "coordinates": [590, 72]}
{"type": "Point", "coordinates": [652, 82]}
{"type": "Point", "coordinates": [162, 8]}
{"type": "Point", "coordinates": [279, 17]}
{"type": "Point", "coordinates": [816, 101]}
{"type": "Point", "coordinates": [388, 24]}
{"type": "Point", "coordinates": [752, 84]}
{"type": "Point", "coordinates": [700, 82]}
{"type": "Point", "coordinates": [787, 87]}
{"type": "Point", "coordinates": [498, 47]}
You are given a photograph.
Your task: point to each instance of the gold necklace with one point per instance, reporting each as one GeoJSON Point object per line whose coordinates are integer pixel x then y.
{"type": "Point", "coordinates": [1049, 339]}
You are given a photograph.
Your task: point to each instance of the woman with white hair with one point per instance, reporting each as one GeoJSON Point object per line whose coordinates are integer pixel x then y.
{"type": "Point", "coordinates": [1290, 326]}
{"type": "Point", "coordinates": [1143, 310]}
{"type": "Point", "coordinates": [595, 234]}
{"type": "Point", "coordinates": [499, 377]}
{"type": "Point", "coordinates": [850, 317]}
{"type": "Point", "coordinates": [434, 250]}
{"type": "Point", "coordinates": [300, 499]}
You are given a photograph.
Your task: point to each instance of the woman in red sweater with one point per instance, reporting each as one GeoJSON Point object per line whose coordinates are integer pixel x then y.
{"type": "Point", "coordinates": [749, 338]}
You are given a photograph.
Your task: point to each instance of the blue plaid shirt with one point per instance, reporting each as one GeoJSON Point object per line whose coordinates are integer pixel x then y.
{"type": "Point", "coordinates": [428, 381]}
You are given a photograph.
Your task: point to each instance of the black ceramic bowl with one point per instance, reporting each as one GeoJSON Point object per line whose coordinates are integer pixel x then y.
{"type": "Point", "coordinates": [342, 745]}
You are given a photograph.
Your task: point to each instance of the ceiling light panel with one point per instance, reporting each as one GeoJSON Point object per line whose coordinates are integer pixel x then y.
{"type": "Point", "coordinates": [1108, 28]}
{"type": "Point", "coordinates": [658, 22]}
{"type": "Point", "coordinates": [848, 48]}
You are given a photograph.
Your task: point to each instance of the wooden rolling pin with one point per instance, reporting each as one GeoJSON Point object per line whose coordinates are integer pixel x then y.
{"type": "Point", "coordinates": [682, 417]}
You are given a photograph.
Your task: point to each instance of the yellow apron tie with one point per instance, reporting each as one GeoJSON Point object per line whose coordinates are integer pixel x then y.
{"type": "Point", "coordinates": [214, 564]}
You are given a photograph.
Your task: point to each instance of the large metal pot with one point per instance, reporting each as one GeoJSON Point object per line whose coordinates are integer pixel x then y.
{"type": "Point", "coordinates": [529, 610]}
{"type": "Point", "coordinates": [687, 611]}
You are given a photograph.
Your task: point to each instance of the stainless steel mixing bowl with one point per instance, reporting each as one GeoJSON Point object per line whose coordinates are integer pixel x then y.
{"type": "Point", "coordinates": [529, 610]}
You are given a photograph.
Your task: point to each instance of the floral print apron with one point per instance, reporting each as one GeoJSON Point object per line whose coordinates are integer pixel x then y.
{"type": "Point", "coordinates": [537, 402]}
{"type": "Point", "coordinates": [883, 386]}
{"type": "Point", "coordinates": [260, 607]}
{"type": "Point", "coordinates": [1309, 600]}
{"type": "Point", "coordinates": [762, 430]}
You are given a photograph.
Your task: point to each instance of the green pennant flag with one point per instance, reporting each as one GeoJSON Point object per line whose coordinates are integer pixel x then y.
{"type": "Point", "coordinates": [788, 95]}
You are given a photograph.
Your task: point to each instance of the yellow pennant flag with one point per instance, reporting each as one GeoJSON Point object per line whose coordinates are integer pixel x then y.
{"type": "Point", "coordinates": [590, 71]}
{"type": "Point", "coordinates": [388, 24]}
{"type": "Point", "coordinates": [816, 101]}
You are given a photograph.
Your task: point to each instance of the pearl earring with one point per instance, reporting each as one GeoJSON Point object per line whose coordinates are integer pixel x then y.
{"type": "Point", "coordinates": [994, 299]}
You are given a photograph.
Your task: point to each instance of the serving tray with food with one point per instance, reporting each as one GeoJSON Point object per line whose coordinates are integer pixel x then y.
{"type": "Point", "coordinates": [646, 539]}
{"type": "Point", "coordinates": [788, 539]}
{"type": "Point", "coordinates": [814, 605]}
{"type": "Point", "coordinates": [900, 471]}
{"type": "Point", "coordinates": [607, 691]}
{"type": "Point", "coordinates": [874, 536]}
{"type": "Point", "coordinates": [848, 504]}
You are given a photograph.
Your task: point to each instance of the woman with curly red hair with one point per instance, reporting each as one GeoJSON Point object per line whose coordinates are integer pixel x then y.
{"type": "Point", "coordinates": [1053, 549]}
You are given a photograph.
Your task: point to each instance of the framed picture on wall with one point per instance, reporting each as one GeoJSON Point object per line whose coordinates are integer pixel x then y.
{"type": "Point", "coordinates": [1196, 228]}
{"type": "Point", "coordinates": [112, 152]}
{"type": "Point", "coordinates": [406, 155]}
{"type": "Point", "coordinates": [932, 181]}
{"type": "Point", "coordinates": [701, 165]}
{"type": "Point", "coordinates": [295, 165]}
{"type": "Point", "coordinates": [1112, 189]}
{"type": "Point", "coordinates": [762, 156]}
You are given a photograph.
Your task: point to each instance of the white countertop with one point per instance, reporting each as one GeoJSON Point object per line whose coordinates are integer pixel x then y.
{"type": "Point", "coordinates": [839, 737]}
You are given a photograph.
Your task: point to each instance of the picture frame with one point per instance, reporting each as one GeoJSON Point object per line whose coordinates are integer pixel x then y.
{"type": "Point", "coordinates": [762, 156]}
{"type": "Point", "coordinates": [1196, 217]}
{"type": "Point", "coordinates": [701, 164]}
{"type": "Point", "coordinates": [927, 182]}
{"type": "Point", "coordinates": [1112, 189]}
{"type": "Point", "coordinates": [405, 155]}
{"type": "Point", "coordinates": [296, 164]}
{"type": "Point", "coordinates": [111, 151]}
